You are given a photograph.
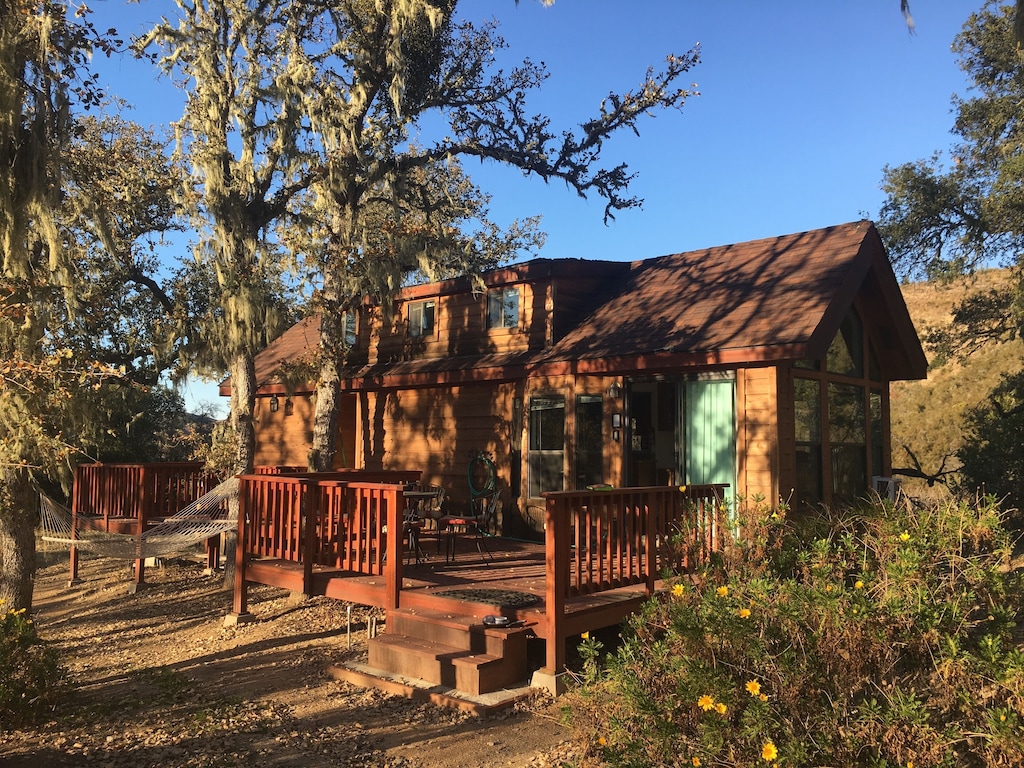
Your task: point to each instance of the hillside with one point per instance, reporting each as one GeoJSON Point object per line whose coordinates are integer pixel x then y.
{"type": "Point", "coordinates": [928, 416]}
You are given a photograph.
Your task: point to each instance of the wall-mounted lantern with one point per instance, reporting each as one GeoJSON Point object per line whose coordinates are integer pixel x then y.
{"type": "Point", "coordinates": [615, 391]}
{"type": "Point", "coordinates": [274, 404]}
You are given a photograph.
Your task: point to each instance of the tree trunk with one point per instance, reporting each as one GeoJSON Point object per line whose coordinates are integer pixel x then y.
{"type": "Point", "coordinates": [243, 407]}
{"type": "Point", "coordinates": [325, 416]}
{"type": "Point", "coordinates": [17, 539]}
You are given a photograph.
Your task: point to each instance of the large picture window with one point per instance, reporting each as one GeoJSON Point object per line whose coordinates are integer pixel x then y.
{"type": "Point", "coordinates": [839, 420]}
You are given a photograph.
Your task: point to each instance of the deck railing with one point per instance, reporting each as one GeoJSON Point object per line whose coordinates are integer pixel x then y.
{"type": "Point", "coordinates": [138, 491]}
{"type": "Point", "coordinates": [316, 519]}
{"type": "Point", "coordinates": [601, 540]}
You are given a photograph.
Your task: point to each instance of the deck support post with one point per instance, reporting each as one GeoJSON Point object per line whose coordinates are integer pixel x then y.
{"type": "Point", "coordinates": [556, 560]}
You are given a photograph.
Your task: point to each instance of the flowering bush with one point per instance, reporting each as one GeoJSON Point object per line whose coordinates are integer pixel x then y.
{"type": "Point", "coordinates": [30, 677]}
{"type": "Point", "coordinates": [884, 637]}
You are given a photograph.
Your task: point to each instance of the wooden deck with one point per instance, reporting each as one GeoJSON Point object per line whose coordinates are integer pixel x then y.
{"type": "Point", "coordinates": [601, 558]}
{"type": "Point", "coordinates": [332, 534]}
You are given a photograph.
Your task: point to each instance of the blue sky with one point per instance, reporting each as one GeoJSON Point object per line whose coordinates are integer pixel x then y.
{"type": "Point", "coordinates": [802, 104]}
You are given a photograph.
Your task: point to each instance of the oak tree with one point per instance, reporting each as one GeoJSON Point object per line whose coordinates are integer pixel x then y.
{"type": "Point", "coordinates": [945, 218]}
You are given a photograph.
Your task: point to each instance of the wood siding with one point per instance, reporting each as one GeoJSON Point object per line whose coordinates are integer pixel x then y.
{"type": "Point", "coordinates": [438, 431]}
{"type": "Point", "coordinates": [460, 328]}
{"type": "Point", "coordinates": [757, 439]}
{"type": "Point", "coordinates": [284, 437]}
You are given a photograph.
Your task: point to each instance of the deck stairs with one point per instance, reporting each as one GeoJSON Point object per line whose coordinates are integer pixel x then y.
{"type": "Point", "coordinates": [451, 650]}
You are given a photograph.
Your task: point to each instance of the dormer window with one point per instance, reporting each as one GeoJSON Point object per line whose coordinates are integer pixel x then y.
{"type": "Point", "coordinates": [421, 318]}
{"type": "Point", "coordinates": [503, 308]}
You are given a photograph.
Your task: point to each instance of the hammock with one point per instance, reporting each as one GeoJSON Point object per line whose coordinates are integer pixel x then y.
{"type": "Point", "coordinates": [203, 518]}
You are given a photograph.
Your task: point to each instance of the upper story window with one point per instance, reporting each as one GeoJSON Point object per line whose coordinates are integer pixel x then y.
{"type": "Point", "coordinates": [349, 324]}
{"type": "Point", "coordinates": [503, 308]}
{"type": "Point", "coordinates": [421, 318]}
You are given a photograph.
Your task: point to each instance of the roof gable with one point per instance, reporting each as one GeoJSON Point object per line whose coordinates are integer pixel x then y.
{"type": "Point", "coordinates": [770, 299]}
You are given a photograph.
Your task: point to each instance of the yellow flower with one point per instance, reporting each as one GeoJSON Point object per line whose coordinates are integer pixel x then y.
{"type": "Point", "coordinates": [696, 762]}
{"type": "Point", "coordinates": [858, 584]}
{"type": "Point", "coordinates": [743, 613]}
{"type": "Point", "coordinates": [705, 702]}
{"type": "Point", "coordinates": [678, 590]}
{"type": "Point", "coordinates": [722, 591]}
{"type": "Point", "coordinates": [828, 588]}
{"type": "Point", "coordinates": [769, 752]}
{"type": "Point", "coordinates": [584, 635]}
{"type": "Point", "coordinates": [720, 708]}
{"type": "Point", "coordinates": [763, 697]}
{"type": "Point", "coordinates": [905, 536]}
{"type": "Point", "coordinates": [753, 688]}
{"type": "Point", "coordinates": [601, 740]}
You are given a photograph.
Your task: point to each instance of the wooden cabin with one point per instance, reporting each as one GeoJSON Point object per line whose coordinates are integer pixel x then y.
{"type": "Point", "coordinates": [762, 365]}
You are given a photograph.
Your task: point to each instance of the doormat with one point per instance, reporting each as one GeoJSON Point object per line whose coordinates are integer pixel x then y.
{"type": "Point", "coordinates": [506, 598]}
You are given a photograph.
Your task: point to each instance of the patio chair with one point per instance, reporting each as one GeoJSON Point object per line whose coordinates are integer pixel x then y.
{"type": "Point", "coordinates": [451, 526]}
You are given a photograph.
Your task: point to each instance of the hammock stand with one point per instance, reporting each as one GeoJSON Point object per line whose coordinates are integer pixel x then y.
{"type": "Point", "coordinates": [139, 538]}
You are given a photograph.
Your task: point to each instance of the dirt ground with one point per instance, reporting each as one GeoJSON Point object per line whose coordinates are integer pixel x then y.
{"type": "Point", "coordinates": [158, 680]}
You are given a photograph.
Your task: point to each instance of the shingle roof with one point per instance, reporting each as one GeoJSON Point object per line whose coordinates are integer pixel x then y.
{"type": "Point", "coordinates": [759, 301]}
{"type": "Point", "coordinates": [772, 292]}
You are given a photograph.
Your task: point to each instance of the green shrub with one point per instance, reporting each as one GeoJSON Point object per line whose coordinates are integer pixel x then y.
{"type": "Point", "coordinates": [31, 679]}
{"type": "Point", "coordinates": [886, 637]}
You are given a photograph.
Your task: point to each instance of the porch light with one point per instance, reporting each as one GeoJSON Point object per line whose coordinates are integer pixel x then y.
{"type": "Point", "coordinates": [615, 391]}
{"type": "Point", "coordinates": [274, 404]}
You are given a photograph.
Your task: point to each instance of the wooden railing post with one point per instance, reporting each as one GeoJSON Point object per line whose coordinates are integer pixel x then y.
{"type": "Point", "coordinates": [309, 509]}
{"type": "Point", "coordinates": [653, 511]}
{"type": "Point", "coordinates": [556, 560]}
{"type": "Point", "coordinates": [393, 560]}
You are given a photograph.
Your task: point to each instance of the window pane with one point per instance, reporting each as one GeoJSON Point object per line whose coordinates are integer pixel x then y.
{"type": "Point", "coordinates": [546, 455]}
{"type": "Point", "coordinates": [421, 318]}
{"type": "Point", "coordinates": [589, 445]}
{"type": "Point", "coordinates": [848, 440]}
{"type": "Point", "coordinates": [350, 329]}
{"type": "Point", "coordinates": [503, 308]}
{"type": "Point", "coordinates": [846, 355]}
{"type": "Point", "coordinates": [547, 423]}
{"type": "Point", "coordinates": [510, 308]}
{"type": "Point", "coordinates": [877, 462]}
{"type": "Point", "coordinates": [807, 407]}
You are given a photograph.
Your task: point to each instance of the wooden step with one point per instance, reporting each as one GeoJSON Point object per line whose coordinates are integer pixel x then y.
{"type": "Point", "coordinates": [466, 632]}
{"type": "Point", "coordinates": [452, 650]}
{"type": "Point", "coordinates": [414, 657]}
{"type": "Point", "coordinates": [480, 673]}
